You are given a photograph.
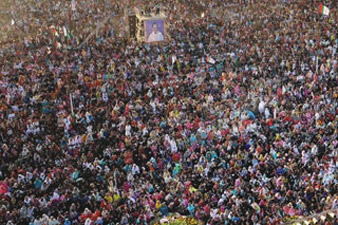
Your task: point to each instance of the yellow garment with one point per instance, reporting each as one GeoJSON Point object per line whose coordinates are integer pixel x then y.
{"type": "Point", "coordinates": [117, 197]}
{"type": "Point", "coordinates": [261, 158]}
{"type": "Point", "coordinates": [158, 204]}
{"type": "Point", "coordinates": [176, 113]}
{"type": "Point", "coordinates": [192, 189]}
{"type": "Point", "coordinates": [277, 137]}
{"type": "Point", "coordinates": [109, 199]}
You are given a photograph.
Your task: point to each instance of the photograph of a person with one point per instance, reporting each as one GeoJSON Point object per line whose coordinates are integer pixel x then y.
{"type": "Point", "coordinates": [154, 30]}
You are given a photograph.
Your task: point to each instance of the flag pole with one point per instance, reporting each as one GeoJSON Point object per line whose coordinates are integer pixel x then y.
{"type": "Point", "coordinates": [318, 39]}
{"type": "Point", "coordinates": [71, 104]}
{"type": "Point", "coordinates": [317, 63]}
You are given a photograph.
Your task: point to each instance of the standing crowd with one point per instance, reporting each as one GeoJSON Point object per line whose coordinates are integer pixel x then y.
{"type": "Point", "coordinates": [232, 120]}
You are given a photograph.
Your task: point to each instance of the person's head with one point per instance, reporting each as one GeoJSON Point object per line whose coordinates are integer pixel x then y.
{"type": "Point", "coordinates": [154, 27]}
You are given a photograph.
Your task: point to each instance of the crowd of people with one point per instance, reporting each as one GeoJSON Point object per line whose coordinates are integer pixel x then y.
{"type": "Point", "coordinates": [35, 18]}
{"type": "Point", "coordinates": [232, 120]}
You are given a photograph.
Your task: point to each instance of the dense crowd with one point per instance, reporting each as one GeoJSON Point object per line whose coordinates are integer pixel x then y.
{"type": "Point", "coordinates": [35, 18]}
{"type": "Point", "coordinates": [232, 120]}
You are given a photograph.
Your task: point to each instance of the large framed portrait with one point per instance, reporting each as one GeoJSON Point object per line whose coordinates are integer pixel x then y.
{"type": "Point", "coordinates": [154, 30]}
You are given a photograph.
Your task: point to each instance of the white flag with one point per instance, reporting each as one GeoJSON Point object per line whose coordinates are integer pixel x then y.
{"type": "Point", "coordinates": [210, 60]}
{"type": "Point", "coordinates": [326, 11]}
{"type": "Point", "coordinates": [64, 31]}
{"type": "Point", "coordinates": [174, 58]}
{"type": "Point", "coordinates": [73, 5]}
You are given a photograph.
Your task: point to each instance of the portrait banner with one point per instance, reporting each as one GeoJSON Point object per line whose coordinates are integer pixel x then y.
{"type": "Point", "coordinates": [154, 30]}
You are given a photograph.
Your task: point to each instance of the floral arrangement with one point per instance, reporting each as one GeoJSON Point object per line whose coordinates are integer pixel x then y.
{"type": "Point", "coordinates": [177, 219]}
{"type": "Point", "coordinates": [314, 219]}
